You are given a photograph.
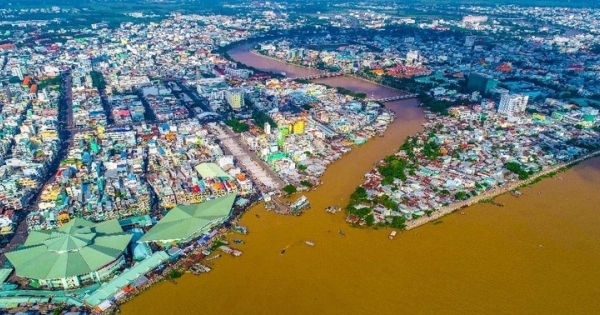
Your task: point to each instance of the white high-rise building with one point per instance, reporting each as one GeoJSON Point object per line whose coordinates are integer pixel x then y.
{"type": "Point", "coordinates": [512, 104]}
{"type": "Point", "coordinates": [16, 72]}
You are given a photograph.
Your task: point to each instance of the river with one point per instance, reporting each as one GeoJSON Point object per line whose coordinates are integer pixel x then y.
{"type": "Point", "coordinates": [537, 254]}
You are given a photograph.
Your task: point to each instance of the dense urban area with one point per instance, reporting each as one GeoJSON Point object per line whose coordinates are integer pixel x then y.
{"type": "Point", "coordinates": [132, 142]}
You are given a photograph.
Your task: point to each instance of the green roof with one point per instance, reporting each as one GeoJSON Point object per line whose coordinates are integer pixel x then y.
{"type": "Point", "coordinates": [109, 289]}
{"type": "Point", "coordinates": [79, 247]}
{"type": "Point", "coordinates": [4, 274]}
{"type": "Point", "coordinates": [185, 222]}
{"type": "Point", "coordinates": [211, 170]}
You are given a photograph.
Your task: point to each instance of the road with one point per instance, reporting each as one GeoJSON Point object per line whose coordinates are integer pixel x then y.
{"type": "Point", "coordinates": [65, 118]}
{"type": "Point", "coordinates": [200, 102]}
{"type": "Point", "coordinates": [260, 173]}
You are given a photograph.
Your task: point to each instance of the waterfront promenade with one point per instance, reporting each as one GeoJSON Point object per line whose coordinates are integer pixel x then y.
{"type": "Point", "coordinates": [494, 192]}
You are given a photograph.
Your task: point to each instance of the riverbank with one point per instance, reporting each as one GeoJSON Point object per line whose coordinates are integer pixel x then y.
{"type": "Point", "coordinates": [495, 192]}
{"type": "Point", "coordinates": [323, 71]}
{"type": "Point", "coordinates": [285, 62]}
{"type": "Point", "coordinates": [535, 255]}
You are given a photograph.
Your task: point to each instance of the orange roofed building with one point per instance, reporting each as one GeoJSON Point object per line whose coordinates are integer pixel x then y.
{"type": "Point", "coordinates": [26, 81]}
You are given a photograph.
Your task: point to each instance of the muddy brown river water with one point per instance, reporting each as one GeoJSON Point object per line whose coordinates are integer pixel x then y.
{"type": "Point", "coordinates": [539, 254]}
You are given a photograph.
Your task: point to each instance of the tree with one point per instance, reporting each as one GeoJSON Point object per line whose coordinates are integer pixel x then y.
{"type": "Point", "coordinates": [237, 126]}
{"type": "Point", "coordinates": [461, 195]}
{"type": "Point", "coordinates": [358, 195]}
{"type": "Point", "coordinates": [370, 219]}
{"type": "Point", "coordinates": [306, 183]}
{"type": "Point", "coordinates": [398, 223]}
{"type": "Point", "coordinates": [98, 80]}
{"type": "Point", "coordinates": [290, 189]}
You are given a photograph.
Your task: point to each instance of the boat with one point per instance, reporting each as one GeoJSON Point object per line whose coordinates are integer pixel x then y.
{"type": "Point", "coordinates": [241, 229]}
{"type": "Point", "coordinates": [214, 257]}
{"type": "Point", "coordinates": [342, 233]}
{"type": "Point", "coordinates": [332, 209]}
{"type": "Point", "coordinates": [283, 73]}
{"type": "Point", "coordinates": [232, 251]}
{"type": "Point", "coordinates": [309, 243]}
{"type": "Point", "coordinates": [300, 204]}
{"type": "Point", "coordinates": [199, 268]}
{"type": "Point", "coordinates": [516, 193]}
{"type": "Point", "coordinates": [498, 204]}
{"type": "Point", "coordinates": [392, 235]}
{"type": "Point", "coordinates": [282, 252]}
{"type": "Point", "coordinates": [238, 241]}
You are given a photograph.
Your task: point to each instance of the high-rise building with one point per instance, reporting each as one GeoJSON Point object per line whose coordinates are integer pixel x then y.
{"type": "Point", "coordinates": [481, 83]}
{"type": "Point", "coordinates": [235, 98]}
{"type": "Point", "coordinates": [470, 41]}
{"type": "Point", "coordinates": [16, 72]}
{"type": "Point", "coordinates": [512, 104]}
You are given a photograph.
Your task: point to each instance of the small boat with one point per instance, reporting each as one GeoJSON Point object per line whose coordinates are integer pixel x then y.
{"type": "Point", "coordinates": [197, 269]}
{"type": "Point", "coordinates": [282, 252]}
{"type": "Point", "coordinates": [342, 233]}
{"type": "Point", "coordinates": [498, 204]}
{"type": "Point", "coordinates": [238, 241]}
{"type": "Point", "coordinates": [241, 229]}
{"type": "Point", "coordinates": [332, 209]}
{"type": "Point", "coordinates": [392, 235]}
{"type": "Point", "coordinates": [309, 243]}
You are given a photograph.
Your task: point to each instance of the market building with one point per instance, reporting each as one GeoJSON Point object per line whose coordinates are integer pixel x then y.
{"type": "Point", "coordinates": [80, 252]}
{"type": "Point", "coordinates": [185, 222]}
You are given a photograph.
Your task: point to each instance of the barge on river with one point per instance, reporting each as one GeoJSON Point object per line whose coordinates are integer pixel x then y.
{"type": "Point", "coordinates": [299, 204]}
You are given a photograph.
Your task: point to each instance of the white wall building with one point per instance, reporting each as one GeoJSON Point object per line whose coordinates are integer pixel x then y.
{"type": "Point", "coordinates": [512, 104]}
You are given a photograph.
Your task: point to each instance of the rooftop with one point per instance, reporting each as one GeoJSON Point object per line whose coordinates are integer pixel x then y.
{"type": "Point", "coordinates": [77, 248]}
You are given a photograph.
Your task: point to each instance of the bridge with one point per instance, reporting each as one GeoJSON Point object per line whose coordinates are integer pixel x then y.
{"type": "Point", "coordinates": [322, 75]}
{"type": "Point", "coordinates": [392, 98]}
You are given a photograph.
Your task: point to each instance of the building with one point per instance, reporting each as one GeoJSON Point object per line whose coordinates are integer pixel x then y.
{"type": "Point", "coordinates": [211, 170]}
{"type": "Point", "coordinates": [235, 98]}
{"type": "Point", "coordinates": [240, 73]}
{"type": "Point", "coordinates": [470, 41]}
{"type": "Point", "coordinates": [481, 83]}
{"type": "Point", "coordinates": [16, 72]}
{"type": "Point", "coordinates": [79, 252]}
{"type": "Point", "coordinates": [186, 222]}
{"type": "Point", "coordinates": [512, 104]}
{"type": "Point", "coordinates": [474, 19]}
